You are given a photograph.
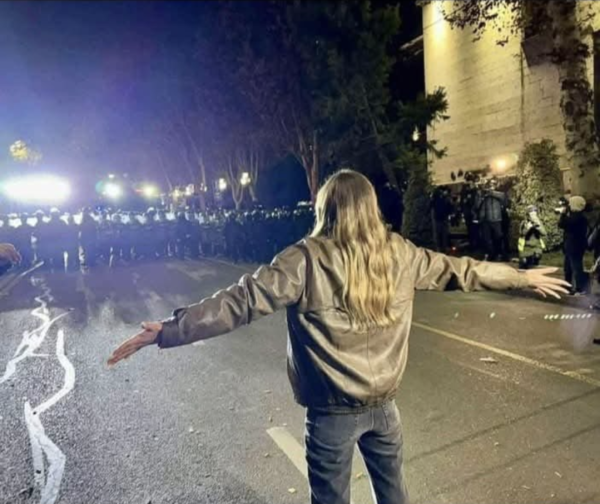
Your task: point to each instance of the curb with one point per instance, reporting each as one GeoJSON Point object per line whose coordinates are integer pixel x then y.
{"type": "Point", "coordinates": [12, 279]}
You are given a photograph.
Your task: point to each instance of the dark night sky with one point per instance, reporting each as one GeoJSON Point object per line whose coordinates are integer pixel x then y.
{"type": "Point", "coordinates": [78, 79]}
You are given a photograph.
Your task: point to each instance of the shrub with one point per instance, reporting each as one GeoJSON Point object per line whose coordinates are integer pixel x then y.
{"type": "Point", "coordinates": [539, 183]}
{"type": "Point", "coordinates": [416, 223]}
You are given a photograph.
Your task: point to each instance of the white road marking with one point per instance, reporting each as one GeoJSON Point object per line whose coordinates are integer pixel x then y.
{"type": "Point", "coordinates": [293, 450]}
{"type": "Point", "coordinates": [32, 340]}
{"type": "Point", "coordinates": [69, 382]}
{"type": "Point", "coordinates": [42, 447]}
{"type": "Point", "coordinates": [8, 287]}
{"type": "Point", "coordinates": [511, 355]}
{"type": "Point", "coordinates": [49, 485]}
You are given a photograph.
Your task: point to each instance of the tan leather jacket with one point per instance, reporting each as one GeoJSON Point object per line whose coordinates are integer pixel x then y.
{"type": "Point", "coordinates": [330, 366]}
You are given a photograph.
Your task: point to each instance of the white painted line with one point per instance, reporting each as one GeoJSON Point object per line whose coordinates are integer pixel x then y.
{"type": "Point", "coordinates": [43, 449]}
{"type": "Point", "coordinates": [4, 290]}
{"type": "Point", "coordinates": [505, 353]}
{"type": "Point", "coordinates": [49, 485]}
{"type": "Point", "coordinates": [292, 449]}
{"type": "Point", "coordinates": [69, 382]}
{"type": "Point", "coordinates": [32, 340]}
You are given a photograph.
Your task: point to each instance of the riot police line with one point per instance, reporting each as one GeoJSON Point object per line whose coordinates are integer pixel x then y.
{"type": "Point", "coordinates": [61, 240]}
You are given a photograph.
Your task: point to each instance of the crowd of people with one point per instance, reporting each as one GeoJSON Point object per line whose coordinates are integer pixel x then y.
{"type": "Point", "coordinates": [485, 211]}
{"type": "Point", "coordinates": [484, 208]}
{"type": "Point", "coordinates": [62, 240]}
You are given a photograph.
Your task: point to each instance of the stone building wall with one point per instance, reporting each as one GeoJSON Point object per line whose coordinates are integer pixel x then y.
{"type": "Point", "coordinates": [499, 99]}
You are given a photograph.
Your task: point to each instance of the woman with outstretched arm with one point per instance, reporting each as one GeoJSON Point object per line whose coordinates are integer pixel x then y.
{"type": "Point", "coordinates": [348, 290]}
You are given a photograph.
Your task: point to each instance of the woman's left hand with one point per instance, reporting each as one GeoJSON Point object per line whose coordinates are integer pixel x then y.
{"type": "Point", "coordinates": [144, 338]}
{"type": "Point", "coordinates": [542, 282]}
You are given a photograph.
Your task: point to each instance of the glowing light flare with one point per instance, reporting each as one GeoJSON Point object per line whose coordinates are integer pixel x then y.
{"type": "Point", "coordinates": [222, 184]}
{"type": "Point", "coordinates": [245, 179]}
{"type": "Point", "coordinates": [416, 135]}
{"type": "Point", "coordinates": [438, 23]}
{"type": "Point", "coordinates": [502, 164]}
{"type": "Point", "coordinates": [42, 189]}
{"type": "Point", "coordinates": [150, 191]}
{"type": "Point", "coordinates": [112, 190]}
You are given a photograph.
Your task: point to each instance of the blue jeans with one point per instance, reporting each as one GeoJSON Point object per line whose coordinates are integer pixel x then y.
{"type": "Point", "coordinates": [330, 442]}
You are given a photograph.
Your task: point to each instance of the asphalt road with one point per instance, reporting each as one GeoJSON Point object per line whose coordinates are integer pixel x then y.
{"type": "Point", "coordinates": [215, 422]}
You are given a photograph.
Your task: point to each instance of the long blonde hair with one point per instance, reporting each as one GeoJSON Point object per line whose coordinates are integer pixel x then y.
{"type": "Point", "coordinates": [347, 212]}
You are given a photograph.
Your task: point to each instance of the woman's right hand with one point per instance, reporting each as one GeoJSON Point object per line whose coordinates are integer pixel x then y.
{"type": "Point", "coordinates": [146, 337]}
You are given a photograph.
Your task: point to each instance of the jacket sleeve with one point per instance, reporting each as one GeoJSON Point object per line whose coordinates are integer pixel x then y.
{"type": "Point", "coordinates": [433, 271]}
{"type": "Point", "coordinates": [269, 289]}
{"type": "Point", "coordinates": [563, 220]}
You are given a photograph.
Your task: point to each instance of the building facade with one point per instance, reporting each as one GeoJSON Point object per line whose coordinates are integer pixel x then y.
{"type": "Point", "coordinates": [499, 97]}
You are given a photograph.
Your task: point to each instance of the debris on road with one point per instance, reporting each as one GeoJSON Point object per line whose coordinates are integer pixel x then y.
{"type": "Point", "coordinates": [267, 455]}
{"type": "Point", "coordinates": [292, 490]}
{"type": "Point", "coordinates": [492, 315]}
{"type": "Point", "coordinates": [496, 443]}
{"type": "Point", "coordinates": [489, 360]}
{"type": "Point", "coordinates": [191, 430]}
{"type": "Point", "coordinates": [526, 487]}
{"type": "Point", "coordinates": [359, 475]}
{"type": "Point", "coordinates": [558, 474]}
{"type": "Point", "coordinates": [456, 315]}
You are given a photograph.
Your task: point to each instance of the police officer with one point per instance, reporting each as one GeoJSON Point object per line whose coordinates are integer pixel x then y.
{"type": "Point", "coordinates": [148, 235]}
{"type": "Point", "coordinates": [194, 235]}
{"type": "Point", "coordinates": [88, 238]}
{"type": "Point", "coordinates": [72, 244]}
{"type": "Point", "coordinates": [181, 234]}
{"type": "Point", "coordinates": [162, 235]}
{"type": "Point", "coordinates": [54, 236]}
{"type": "Point", "coordinates": [40, 238]}
{"type": "Point", "coordinates": [135, 236]}
{"type": "Point", "coordinates": [105, 237]}
{"type": "Point", "coordinates": [23, 234]}
{"type": "Point", "coordinates": [233, 237]}
{"type": "Point", "coordinates": [118, 239]}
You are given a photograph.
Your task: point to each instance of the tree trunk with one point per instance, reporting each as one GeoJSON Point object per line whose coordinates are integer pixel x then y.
{"type": "Point", "coordinates": [385, 165]}
{"type": "Point", "coordinates": [309, 159]}
{"type": "Point", "coordinates": [571, 54]}
{"type": "Point", "coordinates": [237, 189]}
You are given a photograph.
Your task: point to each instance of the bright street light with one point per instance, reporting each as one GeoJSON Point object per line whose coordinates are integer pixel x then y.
{"type": "Point", "coordinates": [150, 191]}
{"type": "Point", "coordinates": [113, 191]}
{"type": "Point", "coordinates": [416, 135]}
{"type": "Point", "coordinates": [245, 180]}
{"type": "Point", "coordinates": [47, 189]}
{"type": "Point", "coordinates": [222, 184]}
